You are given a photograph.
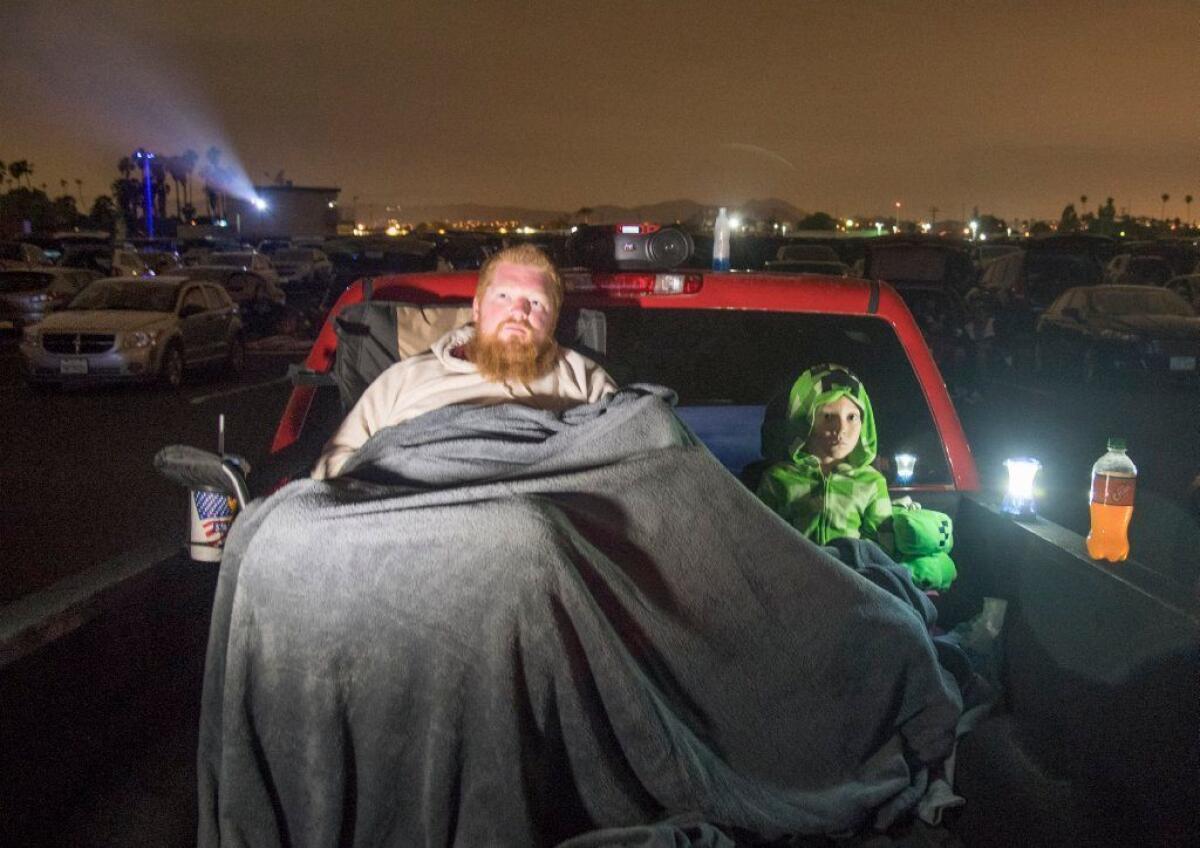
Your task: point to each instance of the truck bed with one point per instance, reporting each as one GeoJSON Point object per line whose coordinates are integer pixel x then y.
{"type": "Point", "coordinates": [1095, 740]}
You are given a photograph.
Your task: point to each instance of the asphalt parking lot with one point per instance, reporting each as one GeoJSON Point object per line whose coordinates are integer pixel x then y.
{"type": "Point", "coordinates": [78, 483]}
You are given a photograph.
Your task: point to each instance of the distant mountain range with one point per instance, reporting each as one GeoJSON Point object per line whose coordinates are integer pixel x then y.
{"type": "Point", "coordinates": [665, 211]}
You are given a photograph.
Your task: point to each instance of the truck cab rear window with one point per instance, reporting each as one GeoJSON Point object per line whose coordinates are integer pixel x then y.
{"type": "Point", "coordinates": [735, 358]}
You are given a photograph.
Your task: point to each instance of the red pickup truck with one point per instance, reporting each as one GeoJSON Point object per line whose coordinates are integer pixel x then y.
{"type": "Point", "coordinates": [1096, 736]}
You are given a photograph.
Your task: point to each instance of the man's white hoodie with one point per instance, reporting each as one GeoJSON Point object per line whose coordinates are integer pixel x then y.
{"type": "Point", "coordinates": [439, 378]}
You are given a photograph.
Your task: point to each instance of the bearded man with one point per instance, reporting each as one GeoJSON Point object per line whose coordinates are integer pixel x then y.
{"type": "Point", "coordinates": [506, 355]}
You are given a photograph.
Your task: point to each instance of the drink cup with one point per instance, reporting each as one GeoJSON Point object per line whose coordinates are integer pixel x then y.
{"type": "Point", "coordinates": [212, 512]}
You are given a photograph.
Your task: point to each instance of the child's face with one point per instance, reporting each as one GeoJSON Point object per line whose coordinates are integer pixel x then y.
{"type": "Point", "coordinates": [835, 431]}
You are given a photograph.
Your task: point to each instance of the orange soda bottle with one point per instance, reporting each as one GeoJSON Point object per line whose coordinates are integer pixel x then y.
{"type": "Point", "coordinates": [1114, 478]}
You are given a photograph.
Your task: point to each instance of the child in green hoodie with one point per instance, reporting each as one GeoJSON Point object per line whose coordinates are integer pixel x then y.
{"type": "Point", "coordinates": [828, 490]}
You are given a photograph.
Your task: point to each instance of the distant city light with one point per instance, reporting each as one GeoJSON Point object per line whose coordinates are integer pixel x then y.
{"type": "Point", "coordinates": [332, 205]}
{"type": "Point", "coordinates": [392, 230]}
{"type": "Point", "coordinates": [849, 223]}
{"type": "Point", "coordinates": [926, 226]}
{"type": "Point", "coordinates": [735, 222]}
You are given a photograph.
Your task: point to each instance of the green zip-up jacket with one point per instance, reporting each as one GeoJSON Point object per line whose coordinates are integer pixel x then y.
{"type": "Point", "coordinates": [851, 501]}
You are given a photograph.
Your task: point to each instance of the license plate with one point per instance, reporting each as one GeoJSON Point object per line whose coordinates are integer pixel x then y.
{"type": "Point", "coordinates": [1183, 363]}
{"type": "Point", "coordinates": [73, 366]}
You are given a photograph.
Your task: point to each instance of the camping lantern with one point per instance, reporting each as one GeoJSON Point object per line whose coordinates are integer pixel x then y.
{"type": "Point", "coordinates": [1019, 498]}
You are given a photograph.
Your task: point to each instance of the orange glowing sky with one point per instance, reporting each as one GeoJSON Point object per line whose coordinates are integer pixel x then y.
{"type": "Point", "coordinates": [1017, 108]}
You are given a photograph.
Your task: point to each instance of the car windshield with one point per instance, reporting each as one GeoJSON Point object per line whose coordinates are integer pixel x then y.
{"type": "Point", "coordinates": [908, 264]}
{"type": "Point", "coordinates": [136, 295]}
{"type": "Point", "coordinates": [1049, 274]}
{"type": "Point", "coordinates": [293, 255]}
{"type": "Point", "coordinates": [231, 260]}
{"type": "Point", "coordinates": [20, 281]}
{"type": "Point", "coordinates": [1142, 302]}
{"type": "Point", "coordinates": [96, 259]}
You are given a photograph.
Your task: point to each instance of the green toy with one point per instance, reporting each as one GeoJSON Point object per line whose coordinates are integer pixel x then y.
{"type": "Point", "coordinates": [923, 540]}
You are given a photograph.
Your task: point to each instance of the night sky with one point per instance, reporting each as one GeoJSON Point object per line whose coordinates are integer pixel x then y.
{"type": "Point", "coordinates": [844, 107]}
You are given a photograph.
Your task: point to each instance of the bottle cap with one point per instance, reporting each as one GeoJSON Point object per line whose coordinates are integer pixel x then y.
{"type": "Point", "coordinates": [1116, 443]}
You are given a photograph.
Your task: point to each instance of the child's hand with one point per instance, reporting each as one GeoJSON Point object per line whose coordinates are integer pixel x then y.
{"type": "Point", "coordinates": [906, 502]}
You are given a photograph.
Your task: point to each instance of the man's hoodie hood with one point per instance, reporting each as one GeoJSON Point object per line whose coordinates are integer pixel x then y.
{"type": "Point", "coordinates": [824, 384]}
{"type": "Point", "coordinates": [445, 347]}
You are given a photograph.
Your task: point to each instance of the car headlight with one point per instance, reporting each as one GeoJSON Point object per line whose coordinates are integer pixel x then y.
{"type": "Point", "coordinates": [140, 338]}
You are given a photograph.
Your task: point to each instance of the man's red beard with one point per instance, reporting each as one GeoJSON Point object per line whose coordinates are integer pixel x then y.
{"type": "Point", "coordinates": [511, 360]}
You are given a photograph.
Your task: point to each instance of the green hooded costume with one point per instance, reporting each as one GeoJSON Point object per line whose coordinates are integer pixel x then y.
{"type": "Point", "coordinates": [852, 500]}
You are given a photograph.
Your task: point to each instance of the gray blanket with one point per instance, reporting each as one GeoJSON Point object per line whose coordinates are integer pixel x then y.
{"type": "Point", "coordinates": [514, 627]}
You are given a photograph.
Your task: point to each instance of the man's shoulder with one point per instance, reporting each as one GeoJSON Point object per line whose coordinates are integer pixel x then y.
{"type": "Point", "coordinates": [420, 365]}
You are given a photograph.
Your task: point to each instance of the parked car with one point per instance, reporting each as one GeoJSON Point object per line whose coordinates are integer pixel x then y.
{"type": "Point", "coordinates": [107, 260]}
{"type": "Point", "coordinates": [27, 296]}
{"type": "Point", "coordinates": [1032, 279]}
{"type": "Point", "coordinates": [271, 246]}
{"type": "Point", "coordinates": [1138, 270]}
{"type": "Point", "coordinates": [302, 266]}
{"type": "Point", "coordinates": [986, 253]}
{"type": "Point", "coordinates": [1186, 286]}
{"type": "Point", "coordinates": [919, 261]}
{"type": "Point", "coordinates": [119, 329]}
{"type": "Point", "coordinates": [1093, 332]}
{"type": "Point", "coordinates": [941, 313]}
{"type": "Point", "coordinates": [19, 255]}
{"type": "Point", "coordinates": [260, 302]}
{"type": "Point", "coordinates": [246, 260]}
{"type": "Point", "coordinates": [1181, 254]}
{"type": "Point", "coordinates": [243, 287]}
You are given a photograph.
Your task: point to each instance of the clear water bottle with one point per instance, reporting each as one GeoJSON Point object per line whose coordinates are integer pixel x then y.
{"type": "Point", "coordinates": [1114, 479]}
{"type": "Point", "coordinates": [721, 241]}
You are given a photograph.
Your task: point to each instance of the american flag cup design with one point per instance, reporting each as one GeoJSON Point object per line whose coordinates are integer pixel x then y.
{"type": "Point", "coordinates": [212, 514]}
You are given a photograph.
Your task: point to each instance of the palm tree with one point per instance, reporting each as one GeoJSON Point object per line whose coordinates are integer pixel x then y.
{"type": "Point", "coordinates": [1187, 199]}
{"type": "Point", "coordinates": [1082, 201]}
{"type": "Point", "coordinates": [211, 174]}
{"type": "Point", "coordinates": [173, 166]}
{"type": "Point", "coordinates": [1165, 198]}
{"type": "Point", "coordinates": [18, 169]}
{"type": "Point", "coordinates": [79, 191]}
{"type": "Point", "coordinates": [190, 158]}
